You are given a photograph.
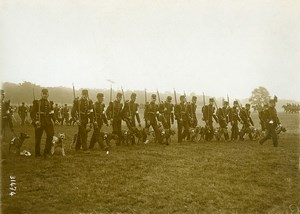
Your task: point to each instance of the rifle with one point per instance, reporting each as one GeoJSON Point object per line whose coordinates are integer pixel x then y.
{"type": "Point", "coordinates": [175, 96]}
{"type": "Point", "coordinates": [158, 96]}
{"type": "Point", "coordinates": [145, 96]}
{"type": "Point", "coordinates": [110, 94]}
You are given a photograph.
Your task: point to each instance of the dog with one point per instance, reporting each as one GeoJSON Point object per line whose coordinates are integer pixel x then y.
{"type": "Point", "coordinates": [127, 137]}
{"type": "Point", "coordinates": [165, 136]}
{"type": "Point", "coordinates": [107, 138]}
{"type": "Point", "coordinates": [17, 142]}
{"type": "Point", "coordinates": [58, 142]}
{"type": "Point", "coordinates": [195, 134]}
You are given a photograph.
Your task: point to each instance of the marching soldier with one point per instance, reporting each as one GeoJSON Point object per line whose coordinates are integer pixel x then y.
{"type": "Point", "coordinates": [83, 108]}
{"type": "Point", "coordinates": [247, 121]}
{"type": "Point", "coordinates": [223, 119]}
{"type": "Point", "coordinates": [208, 115]}
{"type": "Point", "coordinates": [272, 121]}
{"type": "Point", "coordinates": [182, 116]}
{"type": "Point", "coordinates": [65, 115]}
{"type": "Point", "coordinates": [114, 113]}
{"type": "Point", "coordinates": [99, 120]}
{"type": "Point", "coordinates": [262, 117]}
{"type": "Point", "coordinates": [234, 120]}
{"type": "Point", "coordinates": [42, 115]}
{"type": "Point", "coordinates": [167, 113]}
{"type": "Point", "coordinates": [130, 112]}
{"type": "Point", "coordinates": [22, 111]}
{"type": "Point", "coordinates": [6, 115]}
{"type": "Point", "coordinates": [152, 117]}
{"type": "Point", "coordinates": [193, 108]}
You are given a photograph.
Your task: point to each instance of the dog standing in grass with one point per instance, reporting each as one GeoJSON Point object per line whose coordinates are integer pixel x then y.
{"type": "Point", "coordinates": [58, 142]}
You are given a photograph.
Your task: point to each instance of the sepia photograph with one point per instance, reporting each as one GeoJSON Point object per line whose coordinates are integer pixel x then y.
{"type": "Point", "coordinates": [150, 106]}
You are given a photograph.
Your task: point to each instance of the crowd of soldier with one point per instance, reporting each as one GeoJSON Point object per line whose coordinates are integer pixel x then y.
{"type": "Point", "coordinates": [88, 115]}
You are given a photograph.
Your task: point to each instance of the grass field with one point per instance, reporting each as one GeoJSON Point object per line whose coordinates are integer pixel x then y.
{"type": "Point", "coordinates": [204, 177]}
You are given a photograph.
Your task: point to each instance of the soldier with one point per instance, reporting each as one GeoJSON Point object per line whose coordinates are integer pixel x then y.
{"type": "Point", "coordinates": [223, 118]}
{"type": "Point", "coordinates": [6, 114]}
{"type": "Point", "coordinates": [99, 120]}
{"type": "Point", "coordinates": [247, 121]}
{"type": "Point", "coordinates": [208, 115]}
{"type": "Point", "coordinates": [167, 113]}
{"type": "Point", "coordinates": [114, 113]}
{"type": "Point", "coordinates": [152, 115]}
{"type": "Point", "coordinates": [182, 116]}
{"type": "Point", "coordinates": [262, 117]}
{"type": "Point", "coordinates": [234, 119]}
{"type": "Point", "coordinates": [193, 108]}
{"type": "Point", "coordinates": [57, 112]}
{"type": "Point", "coordinates": [83, 108]}
{"type": "Point", "coordinates": [272, 121]}
{"type": "Point", "coordinates": [42, 115]}
{"type": "Point", "coordinates": [130, 112]}
{"type": "Point", "coordinates": [22, 111]}
{"type": "Point", "coordinates": [65, 115]}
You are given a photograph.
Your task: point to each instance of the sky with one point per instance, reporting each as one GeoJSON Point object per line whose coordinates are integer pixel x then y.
{"type": "Point", "coordinates": [218, 47]}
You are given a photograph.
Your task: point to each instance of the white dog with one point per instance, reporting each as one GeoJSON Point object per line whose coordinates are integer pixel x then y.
{"type": "Point", "coordinates": [58, 142]}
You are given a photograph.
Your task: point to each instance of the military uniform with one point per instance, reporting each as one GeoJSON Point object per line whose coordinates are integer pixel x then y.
{"type": "Point", "coordinates": [65, 115]}
{"type": "Point", "coordinates": [83, 108]}
{"type": "Point", "coordinates": [57, 112]}
{"type": "Point", "coordinates": [223, 118]}
{"type": "Point", "coordinates": [114, 113]}
{"type": "Point", "coordinates": [99, 119]}
{"type": "Point", "coordinates": [152, 115]}
{"type": "Point", "coordinates": [208, 115]}
{"type": "Point", "coordinates": [234, 120]}
{"type": "Point", "coordinates": [183, 117]}
{"type": "Point", "coordinates": [167, 113]}
{"type": "Point", "coordinates": [42, 115]}
{"type": "Point", "coordinates": [193, 115]}
{"type": "Point", "coordinates": [246, 121]}
{"type": "Point", "coordinates": [130, 112]}
{"type": "Point", "coordinates": [22, 111]}
{"type": "Point", "coordinates": [262, 117]}
{"type": "Point", "coordinates": [6, 114]}
{"type": "Point", "coordinates": [272, 121]}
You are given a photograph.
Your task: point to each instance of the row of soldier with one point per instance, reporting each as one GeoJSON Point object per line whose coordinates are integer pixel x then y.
{"type": "Point", "coordinates": [94, 115]}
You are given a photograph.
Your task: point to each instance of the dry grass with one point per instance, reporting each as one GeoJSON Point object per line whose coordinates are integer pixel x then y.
{"type": "Point", "coordinates": [205, 177]}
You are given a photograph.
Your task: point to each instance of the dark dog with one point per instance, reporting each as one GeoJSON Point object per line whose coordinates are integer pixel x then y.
{"type": "Point", "coordinates": [108, 137]}
{"type": "Point", "coordinates": [17, 142]}
{"type": "Point", "coordinates": [127, 137]}
{"type": "Point", "coordinates": [165, 135]}
{"type": "Point", "coordinates": [195, 134]}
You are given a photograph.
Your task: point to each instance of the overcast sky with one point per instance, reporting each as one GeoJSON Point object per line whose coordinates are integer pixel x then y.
{"type": "Point", "coordinates": [211, 46]}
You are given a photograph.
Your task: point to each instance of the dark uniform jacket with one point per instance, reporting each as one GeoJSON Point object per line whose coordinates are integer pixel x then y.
{"type": "Point", "coordinates": [130, 111]}
{"type": "Point", "coordinates": [151, 112]}
{"type": "Point", "coordinates": [271, 117]}
{"type": "Point", "coordinates": [192, 109]}
{"type": "Point", "coordinates": [182, 112]}
{"type": "Point", "coordinates": [99, 113]}
{"type": "Point", "coordinates": [209, 113]}
{"type": "Point", "coordinates": [43, 111]}
{"type": "Point", "coordinates": [114, 110]}
{"type": "Point", "coordinates": [245, 117]}
{"type": "Point", "coordinates": [83, 110]}
{"type": "Point", "coordinates": [223, 116]}
{"type": "Point", "coordinates": [22, 111]}
{"type": "Point", "coordinates": [234, 115]}
{"type": "Point", "coordinates": [167, 110]}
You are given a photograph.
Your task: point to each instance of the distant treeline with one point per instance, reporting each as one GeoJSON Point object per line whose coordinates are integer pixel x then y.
{"type": "Point", "coordinates": [26, 91]}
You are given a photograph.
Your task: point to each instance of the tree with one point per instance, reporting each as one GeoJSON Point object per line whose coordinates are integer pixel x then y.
{"type": "Point", "coordinates": [259, 97]}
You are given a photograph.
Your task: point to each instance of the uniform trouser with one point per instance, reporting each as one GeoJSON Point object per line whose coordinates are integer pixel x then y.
{"type": "Point", "coordinates": [117, 129]}
{"type": "Point", "coordinates": [183, 130]}
{"type": "Point", "coordinates": [223, 126]}
{"type": "Point", "coordinates": [270, 133]}
{"type": "Point", "coordinates": [81, 137]}
{"type": "Point", "coordinates": [234, 130]}
{"type": "Point", "coordinates": [156, 130]}
{"type": "Point", "coordinates": [38, 136]}
{"type": "Point", "coordinates": [209, 131]}
{"type": "Point", "coordinates": [263, 126]}
{"type": "Point", "coordinates": [6, 122]}
{"type": "Point", "coordinates": [245, 129]}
